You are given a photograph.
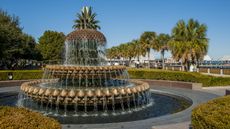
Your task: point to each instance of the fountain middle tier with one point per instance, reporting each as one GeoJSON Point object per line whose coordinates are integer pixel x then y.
{"type": "Point", "coordinates": [86, 76]}
{"type": "Point", "coordinates": [58, 71]}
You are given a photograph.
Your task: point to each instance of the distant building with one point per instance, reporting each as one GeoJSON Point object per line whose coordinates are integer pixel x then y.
{"type": "Point", "coordinates": [207, 58]}
{"type": "Point", "coordinates": [225, 58]}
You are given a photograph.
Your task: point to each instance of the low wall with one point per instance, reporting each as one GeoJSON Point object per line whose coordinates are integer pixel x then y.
{"type": "Point", "coordinates": [176, 84]}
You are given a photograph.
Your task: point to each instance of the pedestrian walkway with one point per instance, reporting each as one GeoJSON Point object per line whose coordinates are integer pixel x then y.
{"type": "Point", "coordinates": [216, 75]}
{"type": "Point", "coordinates": [218, 90]}
{"type": "Point", "coordinates": [182, 125]}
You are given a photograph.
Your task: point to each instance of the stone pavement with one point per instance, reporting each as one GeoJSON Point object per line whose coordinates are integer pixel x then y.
{"type": "Point", "coordinates": [218, 90]}
{"type": "Point", "coordinates": [182, 125]}
{"type": "Point", "coordinates": [217, 75]}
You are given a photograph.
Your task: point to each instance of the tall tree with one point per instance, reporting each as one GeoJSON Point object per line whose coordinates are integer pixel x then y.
{"type": "Point", "coordinates": [30, 50]}
{"type": "Point", "coordinates": [189, 42]}
{"type": "Point", "coordinates": [86, 19]}
{"type": "Point", "coordinates": [148, 41]}
{"type": "Point", "coordinates": [51, 45]}
{"type": "Point", "coordinates": [162, 41]}
{"type": "Point", "coordinates": [137, 49]}
{"type": "Point", "coordinates": [14, 44]}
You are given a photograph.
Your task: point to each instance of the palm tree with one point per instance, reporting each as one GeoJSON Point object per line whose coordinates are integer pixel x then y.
{"type": "Point", "coordinates": [137, 49]}
{"type": "Point", "coordinates": [162, 41]}
{"type": "Point", "coordinates": [86, 19]}
{"type": "Point", "coordinates": [148, 41]}
{"type": "Point", "coordinates": [189, 42]}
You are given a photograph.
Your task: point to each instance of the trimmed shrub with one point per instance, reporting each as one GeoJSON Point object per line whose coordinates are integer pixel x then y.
{"type": "Point", "coordinates": [178, 76]}
{"type": "Point", "coordinates": [155, 74]}
{"type": "Point", "coordinates": [21, 74]}
{"type": "Point", "coordinates": [20, 118]}
{"type": "Point", "coordinates": [214, 114]}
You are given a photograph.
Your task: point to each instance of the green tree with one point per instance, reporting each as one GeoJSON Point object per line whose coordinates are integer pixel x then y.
{"type": "Point", "coordinates": [86, 19]}
{"type": "Point", "coordinates": [189, 42]}
{"type": "Point", "coordinates": [51, 45]}
{"type": "Point", "coordinates": [14, 44]}
{"type": "Point", "coordinates": [30, 50]}
{"type": "Point", "coordinates": [162, 41]}
{"type": "Point", "coordinates": [148, 41]}
{"type": "Point", "coordinates": [137, 49]}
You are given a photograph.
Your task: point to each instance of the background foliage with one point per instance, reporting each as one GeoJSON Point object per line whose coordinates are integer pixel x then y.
{"type": "Point", "coordinates": [14, 44]}
{"type": "Point", "coordinates": [51, 45]}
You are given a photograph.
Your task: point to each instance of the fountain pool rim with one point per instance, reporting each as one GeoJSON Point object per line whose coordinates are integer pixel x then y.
{"type": "Point", "coordinates": [168, 94]}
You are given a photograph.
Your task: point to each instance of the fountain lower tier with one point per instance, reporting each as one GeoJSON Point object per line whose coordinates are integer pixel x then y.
{"type": "Point", "coordinates": [111, 95]}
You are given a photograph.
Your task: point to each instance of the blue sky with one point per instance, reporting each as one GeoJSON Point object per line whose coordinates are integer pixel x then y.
{"type": "Point", "coordinates": [124, 20]}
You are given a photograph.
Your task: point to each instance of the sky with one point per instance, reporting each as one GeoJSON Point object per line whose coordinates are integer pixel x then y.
{"type": "Point", "coordinates": [124, 20]}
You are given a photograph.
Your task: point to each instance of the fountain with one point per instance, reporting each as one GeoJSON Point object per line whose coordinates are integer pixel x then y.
{"type": "Point", "coordinates": [84, 85]}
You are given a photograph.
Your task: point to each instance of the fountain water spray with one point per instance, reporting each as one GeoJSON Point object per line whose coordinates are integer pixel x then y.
{"type": "Point", "coordinates": [84, 85]}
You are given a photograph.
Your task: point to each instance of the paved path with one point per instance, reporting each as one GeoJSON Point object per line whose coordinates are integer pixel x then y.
{"type": "Point", "coordinates": [217, 75]}
{"type": "Point", "coordinates": [182, 125]}
{"type": "Point", "coordinates": [218, 90]}
{"type": "Point", "coordinates": [9, 89]}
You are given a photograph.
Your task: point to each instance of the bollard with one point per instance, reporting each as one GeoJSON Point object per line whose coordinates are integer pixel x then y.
{"type": "Point", "coordinates": [208, 70]}
{"type": "Point", "coordinates": [221, 71]}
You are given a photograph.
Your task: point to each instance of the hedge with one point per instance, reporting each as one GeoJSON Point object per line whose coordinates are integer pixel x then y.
{"type": "Point", "coordinates": [20, 118]}
{"type": "Point", "coordinates": [137, 74]}
{"type": "Point", "coordinates": [21, 74]}
{"type": "Point", "coordinates": [214, 114]}
{"type": "Point", "coordinates": [178, 76]}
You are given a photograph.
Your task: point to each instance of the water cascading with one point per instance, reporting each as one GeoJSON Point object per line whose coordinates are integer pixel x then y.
{"type": "Point", "coordinates": [84, 85]}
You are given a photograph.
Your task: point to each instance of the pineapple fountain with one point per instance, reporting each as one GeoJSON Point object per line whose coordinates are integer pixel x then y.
{"type": "Point", "coordinates": [84, 85]}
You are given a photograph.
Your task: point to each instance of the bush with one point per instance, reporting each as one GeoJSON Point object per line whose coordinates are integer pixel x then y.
{"type": "Point", "coordinates": [21, 74]}
{"type": "Point", "coordinates": [214, 114]}
{"type": "Point", "coordinates": [155, 74]}
{"type": "Point", "coordinates": [178, 76]}
{"type": "Point", "coordinates": [15, 118]}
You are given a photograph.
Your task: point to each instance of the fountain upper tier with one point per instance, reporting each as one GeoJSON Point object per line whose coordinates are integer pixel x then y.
{"type": "Point", "coordinates": [88, 34]}
{"type": "Point", "coordinates": [85, 47]}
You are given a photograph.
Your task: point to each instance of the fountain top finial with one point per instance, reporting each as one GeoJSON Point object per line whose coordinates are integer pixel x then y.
{"type": "Point", "coordinates": [86, 34]}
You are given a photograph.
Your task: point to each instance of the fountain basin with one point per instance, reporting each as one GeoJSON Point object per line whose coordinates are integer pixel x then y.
{"type": "Point", "coordinates": [162, 104]}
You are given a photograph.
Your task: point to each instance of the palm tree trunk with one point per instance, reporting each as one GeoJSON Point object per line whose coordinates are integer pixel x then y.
{"type": "Point", "coordinates": [149, 58]}
{"type": "Point", "coordinates": [130, 58]}
{"type": "Point", "coordinates": [163, 59]}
